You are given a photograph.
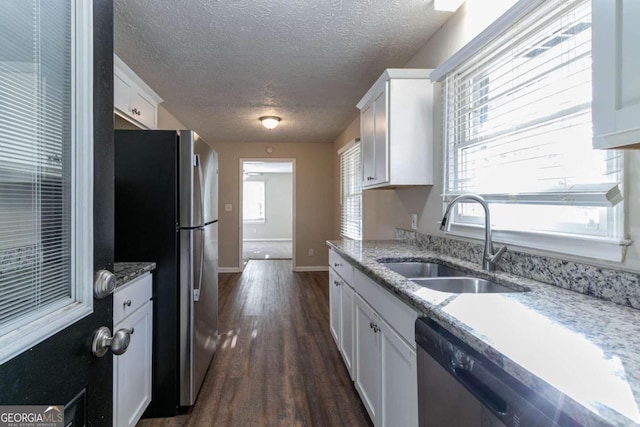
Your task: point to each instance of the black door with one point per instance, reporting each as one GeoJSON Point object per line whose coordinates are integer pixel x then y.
{"type": "Point", "coordinates": [61, 369]}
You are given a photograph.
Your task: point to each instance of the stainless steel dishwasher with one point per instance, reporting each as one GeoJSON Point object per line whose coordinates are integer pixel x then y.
{"type": "Point", "coordinates": [457, 386]}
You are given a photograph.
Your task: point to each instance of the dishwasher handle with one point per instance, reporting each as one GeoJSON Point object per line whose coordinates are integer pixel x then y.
{"type": "Point", "coordinates": [483, 392]}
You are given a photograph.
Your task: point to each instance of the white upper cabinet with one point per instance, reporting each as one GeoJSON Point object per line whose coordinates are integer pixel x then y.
{"type": "Point", "coordinates": [396, 130]}
{"type": "Point", "coordinates": [133, 99]}
{"type": "Point", "coordinates": [616, 73]}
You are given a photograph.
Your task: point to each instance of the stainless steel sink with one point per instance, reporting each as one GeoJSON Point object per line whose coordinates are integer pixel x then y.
{"type": "Point", "coordinates": [462, 285]}
{"type": "Point", "coordinates": [442, 278]}
{"type": "Point", "coordinates": [417, 269]}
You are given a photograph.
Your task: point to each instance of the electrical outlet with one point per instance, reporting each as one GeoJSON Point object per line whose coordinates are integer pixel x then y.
{"type": "Point", "coordinates": [414, 221]}
{"type": "Point", "coordinates": [311, 252]}
{"type": "Point", "coordinates": [228, 207]}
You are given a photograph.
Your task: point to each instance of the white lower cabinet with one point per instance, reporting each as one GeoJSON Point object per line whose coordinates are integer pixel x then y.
{"type": "Point", "coordinates": [373, 330]}
{"type": "Point", "coordinates": [133, 311]}
{"type": "Point", "coordinates": [367, 361]}
{"type": "Point", "coordinates": [399, 385]}
{"type": "Point", "coordinates": [386, 370]}
{"type": "Point", "coordinates": [347, 296]}
{"type": "Point", "coordinates": [341, 317]}
{"type": "Point", "coordinates": [334, 306]}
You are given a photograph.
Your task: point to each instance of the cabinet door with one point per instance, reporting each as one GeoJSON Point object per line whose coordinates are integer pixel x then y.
{"type": "Point", "coordinates": [367, 145]}
{"type": "Point", "coordinates": [616, 66]}
{"type": "Point", "coordinates": [399, 389]}
{"type": "Point", "coordinates": [132, 370]}
{"type": "Point", "coordinates": [143, 109]}
{"type": "Point", "coordinates": [334, 305]}
{"type": "Point", "coordinates": [381, 164]}
{"type": "Point", "coordinates": [346, 326]}
{"type": "Point", "coordinates": [121, 93]}
{"type": "Point", "coordinates": [367, 360]}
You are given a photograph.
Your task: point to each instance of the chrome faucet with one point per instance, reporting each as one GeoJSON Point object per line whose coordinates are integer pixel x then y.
{"type": "Point", "coordinates": [489, 258]}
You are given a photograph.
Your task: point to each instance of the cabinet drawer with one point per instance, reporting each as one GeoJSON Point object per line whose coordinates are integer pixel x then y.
{"type": "Point", "coordinates": [342, 267]}
{"type": "Point", "coordinates": [131, 296]}
{"type": "Point", "coordinates": [388, 306]}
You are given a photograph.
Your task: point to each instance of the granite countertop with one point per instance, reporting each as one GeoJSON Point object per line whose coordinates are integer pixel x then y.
{"type": "Point", "coordinates": [579, 352]}
{"type": "Point", "coordinates": [127, 271]}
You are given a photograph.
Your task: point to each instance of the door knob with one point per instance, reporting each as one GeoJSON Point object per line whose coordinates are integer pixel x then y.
{"type": "Point", "coordinates": [104, 283]}
{"type": "Point", "coordinates": [118, 343]}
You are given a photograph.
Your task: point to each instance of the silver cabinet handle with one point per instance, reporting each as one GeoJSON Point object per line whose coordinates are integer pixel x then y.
{"type": "Point", "coordinates": [127, 303]}
{"type": "Point", "coordinates": [103, 341]}
{"type": "Point", "coordinates": [104, 284]}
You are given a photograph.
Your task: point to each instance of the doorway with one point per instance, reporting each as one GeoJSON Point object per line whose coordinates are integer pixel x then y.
{"type": "Point", "coordinates": [267, 210]}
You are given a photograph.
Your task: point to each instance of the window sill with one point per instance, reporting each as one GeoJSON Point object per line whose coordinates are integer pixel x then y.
{"type": "Point", "coordinates": [562, 244]}
{"type": "Point", "coordinates": [38, 327]}
{"type": "Point", "coordinates": [254, 221]}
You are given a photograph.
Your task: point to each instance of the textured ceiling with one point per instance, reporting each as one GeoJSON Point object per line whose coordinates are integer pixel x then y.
{"type": "Point", "coordinates": [221, 64]}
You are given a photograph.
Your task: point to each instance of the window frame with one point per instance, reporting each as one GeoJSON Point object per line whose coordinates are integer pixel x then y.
{"type": "Point", "coordinates": [35, 327]}
{"type": "Point", "coordinates": [604, 248]}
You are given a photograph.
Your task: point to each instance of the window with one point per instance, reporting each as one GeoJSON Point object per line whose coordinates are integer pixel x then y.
{"type": "Point", "coordinates": [46, 175]}
{"type": "Point", "coordinates": [517, 120]}
{"type": "Point", "coordinates": [253, 209]}
{"type": "Point", "coordinates": [350, 191]}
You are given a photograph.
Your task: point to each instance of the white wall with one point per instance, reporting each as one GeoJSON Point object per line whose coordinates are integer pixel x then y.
{"type": "Point", "coordinates": [278, 208]}
{"type": "Point", "coordinates": [395, 207]}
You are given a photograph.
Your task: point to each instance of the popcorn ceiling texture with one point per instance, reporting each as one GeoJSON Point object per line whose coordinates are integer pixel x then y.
{"type": "Point", "coordinates": [220, 64]}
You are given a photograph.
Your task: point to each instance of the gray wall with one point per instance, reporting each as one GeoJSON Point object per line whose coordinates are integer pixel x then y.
{"type": "Point", "coordinates": [278, 204]}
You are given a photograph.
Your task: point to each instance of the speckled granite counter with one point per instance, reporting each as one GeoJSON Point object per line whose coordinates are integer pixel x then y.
{"type": "Point", "coordinates": [127, 271]}
{"type": "Point", "coordinates": [581, 353]}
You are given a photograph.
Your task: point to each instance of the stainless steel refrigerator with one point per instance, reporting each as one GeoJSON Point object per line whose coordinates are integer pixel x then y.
{"type": "Point", "coordinates": [166, 210]}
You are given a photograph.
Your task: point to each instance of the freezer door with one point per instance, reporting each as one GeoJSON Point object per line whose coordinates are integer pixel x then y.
{"type": "Point", "coordinates": [206, 181]}
{"type": "Point", "coordinates": [199, 318]}
{"type": "Point", "coordinates": [198, 181]}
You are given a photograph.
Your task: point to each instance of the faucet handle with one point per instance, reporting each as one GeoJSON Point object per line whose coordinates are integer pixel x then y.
{"type": "Point", "coordinates": [494, 258]}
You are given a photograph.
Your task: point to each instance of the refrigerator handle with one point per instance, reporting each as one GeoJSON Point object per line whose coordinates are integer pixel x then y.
{"type": "Point", "coordinates": [196, 291]}
{"type": "Point", "coordinates": [197, 164]}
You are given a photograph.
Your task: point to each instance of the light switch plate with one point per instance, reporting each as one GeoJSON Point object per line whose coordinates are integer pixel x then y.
{"type": "Point", "coordinates": [414, 221]}
{"type": "Point", "coordinates": [228, 207]}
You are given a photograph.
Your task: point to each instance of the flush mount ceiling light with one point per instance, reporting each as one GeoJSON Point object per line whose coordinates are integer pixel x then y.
{"type": "Point", "coordinates": [270, 122]}
{"type": "Point", "coordinates": [447, 5]}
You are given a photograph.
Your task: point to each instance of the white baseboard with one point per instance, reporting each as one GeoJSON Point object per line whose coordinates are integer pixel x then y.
{"type": "Point", "coordinates": [229, 270]}
{"type": "Point", "coordinates": [311, 268]}
{"type": "Point", "coordinates": [284, 239]}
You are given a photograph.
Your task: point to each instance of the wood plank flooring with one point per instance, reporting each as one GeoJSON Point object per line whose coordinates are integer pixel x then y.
{"type": "Point", "coordinates": [276, 364]}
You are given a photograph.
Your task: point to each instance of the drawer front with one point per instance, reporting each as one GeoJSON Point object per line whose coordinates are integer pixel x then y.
{"type": "Point", "coordinates": [130, 297]}
{"type": "Point", "coordinates": [396, 313]}
{"type": "Point", "coordinates": [342, 267]}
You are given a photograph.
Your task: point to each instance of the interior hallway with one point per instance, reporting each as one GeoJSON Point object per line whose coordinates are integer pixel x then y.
{"type": "Point", "coordinates": [276, 364]}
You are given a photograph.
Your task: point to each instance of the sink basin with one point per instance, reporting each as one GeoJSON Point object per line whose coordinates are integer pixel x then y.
{"type": "Point", "coordinates": [414, 269]}
{"type": "Point", "coordinates": [462, 285]}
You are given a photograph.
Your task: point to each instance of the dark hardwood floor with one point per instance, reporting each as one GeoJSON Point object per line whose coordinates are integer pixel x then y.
{"type": "Point", "coordinates": [276, 364]}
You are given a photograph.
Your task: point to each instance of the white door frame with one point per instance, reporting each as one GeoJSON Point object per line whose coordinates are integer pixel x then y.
{"type": "Point", "coordinates": [293, 206]}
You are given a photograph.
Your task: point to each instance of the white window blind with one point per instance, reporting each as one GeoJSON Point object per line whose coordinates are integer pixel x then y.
{"type": "Point", "coordinates": [45, 177]}
{"type": "Point", "coordinates": [517, 122]}
{"type": "Point", "coordinates": [351, 192]}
